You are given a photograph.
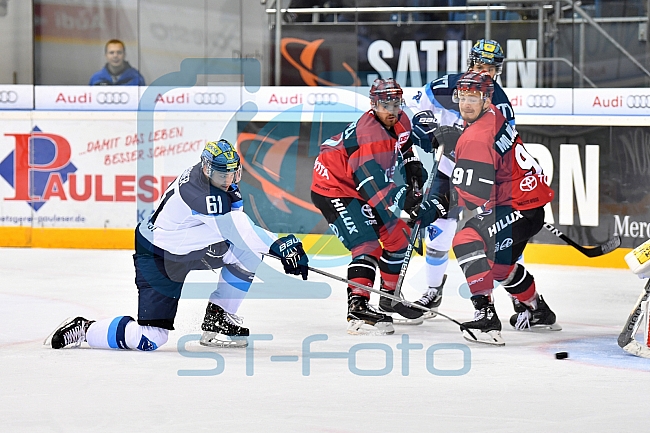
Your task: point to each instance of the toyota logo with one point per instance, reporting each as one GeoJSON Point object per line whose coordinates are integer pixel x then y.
{"type": "Point", "coordinates": [113, 97]}
{"type": "Point", "coordinates": [8, 97]}
{"type": "Point", "coordinates": [541, 101]}
{"type": "Point", "coordinates": [210, 98]}
{"type": "Point", "coordinates": [528, 183]}
{"type": "Point", "coordinates": [638, 101]}
{"type": "Point", "coordinates": [322, 98]}
{"type": "Point", "coordinates": [366, 210]}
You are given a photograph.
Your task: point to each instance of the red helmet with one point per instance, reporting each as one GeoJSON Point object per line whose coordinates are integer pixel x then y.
{"type": "Point", "coordinates": [385, 90]}
{"type": "Point", "coordinates": [475, 81]}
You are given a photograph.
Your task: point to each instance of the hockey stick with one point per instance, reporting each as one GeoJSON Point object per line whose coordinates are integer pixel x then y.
{"type": "Point", "coordinates": [419, 242]}
{"type": "Point", "coordinates": [384, 294]}
{"type": "Point", "coordinates": [596, 251]}
{"type": "Point", "coordinates": [633, 322]}
{"type": "Point", "coordinates": [398, 306]}
{"type": "Point", "coordinates": [419, 247]}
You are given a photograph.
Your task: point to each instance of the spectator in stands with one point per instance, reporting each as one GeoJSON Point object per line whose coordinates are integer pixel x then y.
{"type": "Point", "coordinates": [117, 71]}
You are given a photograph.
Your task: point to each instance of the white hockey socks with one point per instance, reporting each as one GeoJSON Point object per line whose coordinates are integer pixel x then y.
{"type": "Point", "coordinates": [439, 237]}
{"type": "Point", "coordinates": [232, 288]}
{"type": "Point", "coordinates": [123, 332]}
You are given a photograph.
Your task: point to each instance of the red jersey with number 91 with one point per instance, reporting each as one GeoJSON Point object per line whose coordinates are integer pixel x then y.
{"type": "Point", "coordinates": [493, 167]}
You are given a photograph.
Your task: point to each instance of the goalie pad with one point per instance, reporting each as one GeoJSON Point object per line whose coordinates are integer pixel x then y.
{"type": "Point", "coordinates": [646, 334]}
{"type": "Point", "coordinates": [639, 315]}
{"type": "Point", "coordinates": [639, 260]}
{"type": "Point", "coordinates": [637, 349]}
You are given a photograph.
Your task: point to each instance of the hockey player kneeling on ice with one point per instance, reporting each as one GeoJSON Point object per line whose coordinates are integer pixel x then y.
{"type": "Point", "coordinates": [352, 186]}
{"type": "Point", "coordinates": [496, 176]}
{"type": "Point", "coordinates": [199, 224]}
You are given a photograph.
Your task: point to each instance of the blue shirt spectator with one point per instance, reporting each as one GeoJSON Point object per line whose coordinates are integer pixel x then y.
{"type": "Point", "coordinates": [117, 71]}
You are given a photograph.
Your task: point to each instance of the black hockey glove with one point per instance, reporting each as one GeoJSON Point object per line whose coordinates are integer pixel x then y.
{"type": "Point", "coordinates": [448, 135]}
{"type": "Point", "coordinates": [406, 198]}
{"type": "Point", "coordinates": [289, 250]}
{"type": "Point", "coordinates": [415, 173]}
{"type": "Point", "coordinates": [423, 125]}
{"type": "Point", "coordinates": [430, 210]}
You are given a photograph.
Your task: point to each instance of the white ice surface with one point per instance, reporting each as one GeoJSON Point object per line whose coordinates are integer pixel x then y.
{"type": "Point", "coordinates": [519, 387]}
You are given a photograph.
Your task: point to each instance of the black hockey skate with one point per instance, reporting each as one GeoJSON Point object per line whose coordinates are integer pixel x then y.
{"type": "Point", "coordinates": [222, 329]}
{"type": "Point", "coordinates": [542, 318]}
{"type": "Point", "coordinates": [516, 305]}
{"type": "Point", "coordinates": [486, 325]}
{"type": "Point", "coordinates": [385, 306]}
{"type": "Point", "coordinates": [365, 320]}
{"type": "Point", "coordinates": [432, 299]}
{"type": "Point", "coordinates": [70, 333]}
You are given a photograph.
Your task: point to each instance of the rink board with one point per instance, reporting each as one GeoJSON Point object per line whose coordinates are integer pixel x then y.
{"type": "Point", "coordinates": [319, 245]}
{"type": "Point", "coordinates": [78, 176]}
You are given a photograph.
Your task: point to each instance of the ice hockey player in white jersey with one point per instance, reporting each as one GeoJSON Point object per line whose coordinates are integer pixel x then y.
{"type": "Point", "coordinates": [434, 101]}
{"type": "Point", "coordinates": [198, 224]}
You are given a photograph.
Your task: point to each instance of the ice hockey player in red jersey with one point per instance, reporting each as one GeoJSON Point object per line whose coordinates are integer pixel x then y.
{"type": "Point", "coordinates": [495, 175]}
{"type": "Point", "coordinates": [353, 187]}
{"type": "Point", "coordinates": [436, 98]}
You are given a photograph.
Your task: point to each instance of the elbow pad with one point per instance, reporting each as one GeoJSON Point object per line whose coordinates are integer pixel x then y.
{"type": "Point", "coordinates": [370, 179]}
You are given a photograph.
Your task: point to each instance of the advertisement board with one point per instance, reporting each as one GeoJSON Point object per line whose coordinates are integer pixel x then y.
{"type": "Point", "coordinates": [231, 99]}
{"type": "Point", "coordinates": [16, 97]}
{"type": "Point", "coordinates": [415, 52]}
{"type": "Point", "coordinates": [90, 170]}
{"type": "Point", "coordinates": [612, 102]}
{"type": "Point", "coordinates": [106, 169]}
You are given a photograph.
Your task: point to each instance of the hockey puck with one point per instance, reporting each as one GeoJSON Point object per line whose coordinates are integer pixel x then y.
{"type": "Point", "coordinates": [561, 355]}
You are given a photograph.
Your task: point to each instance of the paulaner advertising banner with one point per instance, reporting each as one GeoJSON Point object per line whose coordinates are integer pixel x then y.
{"type": "Point", "coordinates": [89, 170]}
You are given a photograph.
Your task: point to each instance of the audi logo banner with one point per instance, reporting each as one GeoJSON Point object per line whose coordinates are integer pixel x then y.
{"type": "Point", "coordinates": [638, 101]}
{"type": "Point", "coordinates": [16, 97]}
{"type": "Point", "coordinates": [540, 101]}
{"type": "Point", "coordinates": [131, 98]}
{"type": "Point", "coordinates": [210, 98]}
{"type": "Point", "coordinates": [322, 98]}
{"type": "Point", "coordinates": [113, 98]}
{"type": "Point", "coordinates": [612, 102]}
{"type": "Point", "coordinates": [309, 98]}
{"type": "Point", "coordinates": [198, 98]}
{"type": "Point", "coordinates": [86, 98]}
{"type": "Point", "coordinates": [229, 99]}
{"type": "Point", "coordinates": [8, 97]}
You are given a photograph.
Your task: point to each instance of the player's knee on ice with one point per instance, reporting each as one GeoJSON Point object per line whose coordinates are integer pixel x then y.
{"type": "Point", "coordinates": [124, 333]}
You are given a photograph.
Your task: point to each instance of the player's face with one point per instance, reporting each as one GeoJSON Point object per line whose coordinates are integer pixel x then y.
{"type": "Point", "coordinates": [490, 69]}
{"type": "Point", "coordinates": [221, 180]}
{"type": "Point", "coordinates": [115, 55]}
{"type": "Point", "coordinates": [471, 105]}
{"type": "Point", "coordinates": [388, 112]}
